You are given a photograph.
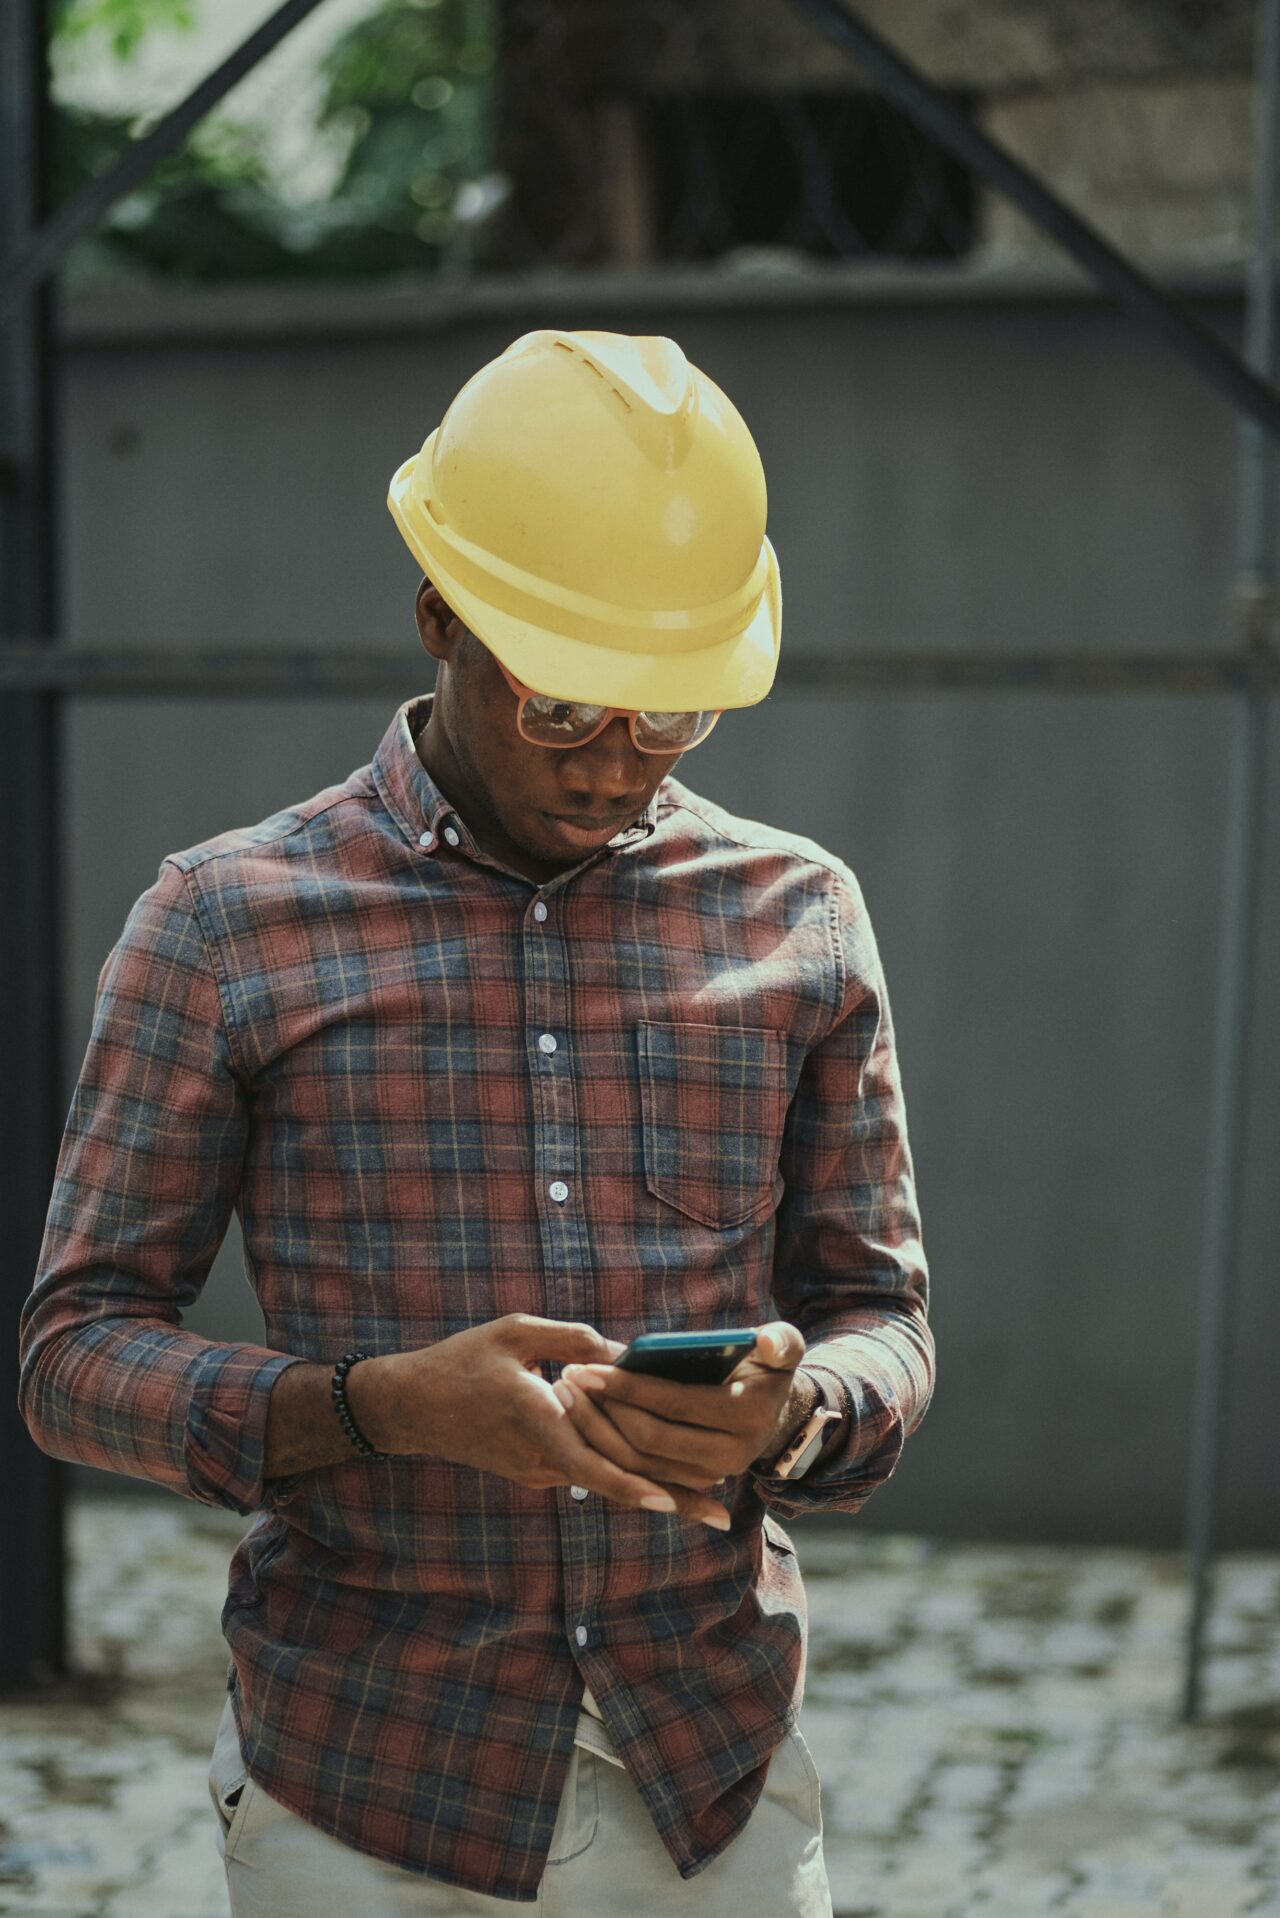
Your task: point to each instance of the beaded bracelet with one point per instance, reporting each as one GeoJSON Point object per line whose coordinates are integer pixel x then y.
{"type": "Point", "coordinates": [339, 1390]}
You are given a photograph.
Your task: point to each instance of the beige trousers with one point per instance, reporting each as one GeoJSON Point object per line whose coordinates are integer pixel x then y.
{"type": "Point", "coordinates": [606, 1859]}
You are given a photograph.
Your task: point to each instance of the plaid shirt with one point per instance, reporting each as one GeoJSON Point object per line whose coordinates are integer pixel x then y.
{"type": "Point", "coordinates": [331, 1023]}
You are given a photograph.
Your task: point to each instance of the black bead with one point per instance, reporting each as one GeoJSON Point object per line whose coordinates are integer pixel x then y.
{"type": "Point", "coordinates": [337, 1388]}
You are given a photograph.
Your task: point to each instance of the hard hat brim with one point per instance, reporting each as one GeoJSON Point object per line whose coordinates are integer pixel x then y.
{"type": "Point", "coordinates": [733, 672]}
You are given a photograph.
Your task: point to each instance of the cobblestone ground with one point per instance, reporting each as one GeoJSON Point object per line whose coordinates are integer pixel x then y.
{"type": "Point", "coordinates": [996, 1729]}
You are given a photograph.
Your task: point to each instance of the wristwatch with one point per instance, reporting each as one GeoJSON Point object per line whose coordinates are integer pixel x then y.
{"type": "Point", "coordinates": [799, 1452]}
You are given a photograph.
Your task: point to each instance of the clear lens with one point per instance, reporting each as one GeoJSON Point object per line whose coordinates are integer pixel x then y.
{"type": "Point", "coordinates": [546, 721]}
{"type": "Point", "coordinates": [559, 722]}
{"type": "Point", "coordinates": [672, 732]}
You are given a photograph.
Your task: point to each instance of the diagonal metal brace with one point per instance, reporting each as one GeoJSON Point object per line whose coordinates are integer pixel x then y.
{"type": "Point", "coordinates": [39, 255]}
{"type": "Point", "coordinates": [1162, 315]}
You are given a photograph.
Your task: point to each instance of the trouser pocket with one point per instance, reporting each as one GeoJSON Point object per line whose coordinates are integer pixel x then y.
{"type": "Point", "coordinates": [579, 1814]}
{"type": "Point", "coordinates": [793, 1779]}
{"type": "Point", "coordinates": [230, 1786]}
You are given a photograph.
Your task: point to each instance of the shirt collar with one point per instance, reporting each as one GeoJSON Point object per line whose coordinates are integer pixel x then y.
{"type": "Point", "coordinates": [421, 810]}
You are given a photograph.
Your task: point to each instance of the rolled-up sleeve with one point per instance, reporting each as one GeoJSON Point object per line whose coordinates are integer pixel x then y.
{"type": "Point", "coordinates": [850, 1267]}
{"type": "Point", "coordinates": [146, 1180]}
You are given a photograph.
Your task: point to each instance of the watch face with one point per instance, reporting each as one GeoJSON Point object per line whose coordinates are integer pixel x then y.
{"type": "Point", "coordinates": [809, 1439]}
{"type": "Point", "coordinates": [806, 1457]}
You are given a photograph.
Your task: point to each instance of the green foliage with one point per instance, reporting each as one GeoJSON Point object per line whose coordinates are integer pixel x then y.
{"type": "Point", "coordinates": [206, 213]}
{"type": "Point", "coordinates": [409, 89]}
{"type": "Point", "coordinates": [124, 23]}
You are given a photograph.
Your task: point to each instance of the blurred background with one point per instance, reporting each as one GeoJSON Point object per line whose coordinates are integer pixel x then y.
{"type": "Point", "coordinates": [967, 450]}
{"type": "Point", "coordinates": [971, 454]}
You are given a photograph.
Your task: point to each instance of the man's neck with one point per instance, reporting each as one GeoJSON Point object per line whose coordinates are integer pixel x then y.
{"type": "Point", "coordinates": [435, 751]}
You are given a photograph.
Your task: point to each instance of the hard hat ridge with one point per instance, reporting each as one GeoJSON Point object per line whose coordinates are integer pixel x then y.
{"type": "Point", "coordinates": [646, 381]}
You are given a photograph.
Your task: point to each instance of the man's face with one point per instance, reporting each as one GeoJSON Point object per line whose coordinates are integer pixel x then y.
{"type": "Point", "coordinates": [540, 809]}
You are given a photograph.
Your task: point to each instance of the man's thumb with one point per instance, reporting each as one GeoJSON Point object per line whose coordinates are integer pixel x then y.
{"type": "Point", "coordinates": [779, 1345]}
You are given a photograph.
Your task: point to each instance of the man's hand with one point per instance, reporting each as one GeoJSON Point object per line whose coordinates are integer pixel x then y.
{"type": "Point", "coordinates": [480, 1398]}
{"type": "Point", "coordinates": [692, 1435]}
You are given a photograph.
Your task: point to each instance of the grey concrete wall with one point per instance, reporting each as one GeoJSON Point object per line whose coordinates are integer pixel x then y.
{"type": "Point", "coordinates": [1141, 116]}
{"type": "Point", "coordinates": [950, 464]}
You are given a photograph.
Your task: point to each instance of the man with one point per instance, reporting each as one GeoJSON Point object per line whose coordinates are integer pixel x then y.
{"type": "Point", "coordinates": [506, 1050]}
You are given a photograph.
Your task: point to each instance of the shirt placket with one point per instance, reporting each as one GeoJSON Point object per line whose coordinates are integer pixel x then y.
{"type": "Point", "coordinates": [557, 1171]}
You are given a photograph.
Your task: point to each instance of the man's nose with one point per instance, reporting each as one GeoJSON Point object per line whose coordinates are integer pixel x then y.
{"type": "Point", "coordinates": [608, 767]}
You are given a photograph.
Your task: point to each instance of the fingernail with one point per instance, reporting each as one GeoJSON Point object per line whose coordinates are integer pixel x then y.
{"type": "Point", "coordinates": [658, 1502]}
{"type": "Point", "coordinates": [564, 1393]}
{"type": "Point", "coordinates": [586, 1381]}
{"type": "Point", "coordinates": [720, 1523]}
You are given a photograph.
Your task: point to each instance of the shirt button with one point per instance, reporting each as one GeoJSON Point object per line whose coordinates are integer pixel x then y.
{"type": "Point", "coordinates": [577, 1491]}
{"type": "Point", "coordinates": [451, 835]}
{"type": "Point", "coordinates": [581, 1634]}
{"type": "Point", "coordinates": [539, 912]}
{"type": "Point", "coordinates": [426, 839]}
{"type": "Point", "coordinates": [547, 1042]}
{"type": "Point", "coordinates": [558, 1190]}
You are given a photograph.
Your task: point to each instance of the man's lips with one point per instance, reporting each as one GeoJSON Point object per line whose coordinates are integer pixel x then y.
{"type": "Point", "coordinates": [583, 825]}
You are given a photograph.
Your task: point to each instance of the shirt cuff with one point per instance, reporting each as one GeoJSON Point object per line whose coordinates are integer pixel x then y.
{"type": "Point", "coordinates": [224, 1442]}
{"type": "Point", "coordinates": [860, 1453]}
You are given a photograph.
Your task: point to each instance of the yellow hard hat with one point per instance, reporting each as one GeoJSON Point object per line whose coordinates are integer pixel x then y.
{"type": "Point", "coordinates": [593, 508]}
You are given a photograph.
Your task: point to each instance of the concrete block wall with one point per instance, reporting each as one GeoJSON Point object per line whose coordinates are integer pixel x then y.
{"type": "Point", "coordinates": [1140, 115]}
{"type": "Point", "coordinates": [1161, 167]}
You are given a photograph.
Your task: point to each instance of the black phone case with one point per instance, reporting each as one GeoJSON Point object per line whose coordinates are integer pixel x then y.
{"type": "Point", "coordinates": [686, 1368]}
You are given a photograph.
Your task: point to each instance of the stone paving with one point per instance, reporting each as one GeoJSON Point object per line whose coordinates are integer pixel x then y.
{"type": "Point", "coordinates": [996, 1727]}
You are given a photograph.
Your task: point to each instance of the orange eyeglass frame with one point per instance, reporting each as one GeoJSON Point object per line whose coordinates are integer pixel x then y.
{"type": "Point", "coordinates": [525, 693]}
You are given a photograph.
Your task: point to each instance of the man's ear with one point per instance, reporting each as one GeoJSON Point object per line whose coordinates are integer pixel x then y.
{"type": "Point", "coordinates": [439, 627]}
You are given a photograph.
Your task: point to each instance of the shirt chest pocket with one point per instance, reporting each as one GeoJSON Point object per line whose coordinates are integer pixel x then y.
{"type": "Point", "coordinates": [714, 1102]}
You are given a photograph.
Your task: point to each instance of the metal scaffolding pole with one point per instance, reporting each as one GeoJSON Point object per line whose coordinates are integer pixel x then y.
{"type": "Point", "coordinates": [32, 1646]}
{"type": "Point", "coordinates": [1255, 603]}
{"type": "Point", "coordinates": [27, 261]}
{"type": "Point", "coordinates": [225, 672]}
{"type": "Point", "coordinates": [32, 241]}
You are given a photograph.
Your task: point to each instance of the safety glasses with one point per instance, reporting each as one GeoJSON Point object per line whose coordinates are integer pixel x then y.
{"type": "Point", "coordinates": [545, 721]}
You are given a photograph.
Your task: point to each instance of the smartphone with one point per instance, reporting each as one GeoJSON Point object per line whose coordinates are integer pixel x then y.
{"type": "Point", "coordinates": [690, 1358]}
